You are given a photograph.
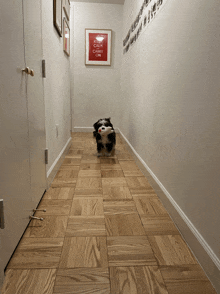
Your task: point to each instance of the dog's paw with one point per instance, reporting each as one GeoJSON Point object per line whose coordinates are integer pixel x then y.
{"type": "Point", "coordinates": [99, 154]}
{"type": "Point", "coordinates": [107, 154]}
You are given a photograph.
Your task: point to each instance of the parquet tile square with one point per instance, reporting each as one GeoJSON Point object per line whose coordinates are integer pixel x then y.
{"type": "Point", "coordinates": [71, 161]}
{"type": "Point", "coordinates": [119, 207]}
{"type": "Point", "coordinates": [137, 280]}
{"type": "Point", "coordinates": [116, 193]}
{"type": "Point", "coordinates": [66, 174]}
{"type": "Point", "coordinates": [112, 173]}
{"type": "Point", "coordinates": [65, 193]}
{"type": "Point", "coordinates": [54, 207]}
{"type": "Point", "coordinates": [84, 252]}
{"type": "Point", "coordinates": [32, 281]}
{"type": "Point", "coordinates": [114, 182]}
{"type": "Point", "coordinates": [84, 289]}
{"type": "Point", "coordinates": [74, 168]}
{"type": "Point", "coordinates": [105, 160]}
{"type": "Point", "coordinates": [90, 159]}
{"type": "Point", "coordinates": [82, 276]}
{"type": "Point", "coordinates": [139, 185]}
{"type": "Point", "coordinates": [124, 156]}
{"type": "Point", "coordinates": [87, 207]}
{"type": "Point", "coordinates": [68, 182]}
{"type": "Point", "coordinates": [89, 174]}
{"type": "Point", "coordinates": [149, 206]}
{"type": "Point", "coordinates": [90, 187]}
{"type": "Point", "coordinates": [130, 251]}
{"type": "Point", "coordinates": [89, 183]}
{"type": "Point", "coordinates": [77, 145]}
{"type": "Point", "coordinates": [90, 166]}
{"type": "Point", "coordinates": [92, 192]}
{"type": "Point", "coordinates": [189, 279]}
{"type": "Point", "coordinates": [171, 250]}
{"type": "Point", "coordinates": [74, 153]}
{"type": "Point", "coordinates": [159, 225]}
{"type": "Point", "coordinates": [124, 225]}
{"type": "Point", "coordinates": [86, 226]}
{"type": "Point", "coordinates": [82, 280]}
{"type": "Point", "coordinates": [37, 253]}
{"type": "Point", "coordinates": [53, 226]}
{"type": "Point", "coordinates": [130, 168]}
{"type": "Point", "coordinates": [111, 167]}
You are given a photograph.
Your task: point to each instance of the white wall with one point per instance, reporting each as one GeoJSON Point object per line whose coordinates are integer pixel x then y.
{"type": "Point", "coordinates": [56, 86]}
{"type": "Point", "coordinates": [95, 90]}
{"type": "Point", "coordinates": [170, 81]}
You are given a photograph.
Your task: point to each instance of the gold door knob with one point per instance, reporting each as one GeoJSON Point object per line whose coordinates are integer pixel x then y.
{"type": "Point", "coordinates": [27, 70]}
{"type": "Point", "coordinates": [32, 72]}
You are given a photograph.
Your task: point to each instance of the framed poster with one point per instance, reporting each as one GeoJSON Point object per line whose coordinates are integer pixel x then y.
{"type": "Point", "coordinates": [98, 47]}
{"type": "Point", "coordinates": [57, 16]}
{"type": "Point", "coordinates": [66, 37]}
{"type": "Point", "coordinates": [66, 7]}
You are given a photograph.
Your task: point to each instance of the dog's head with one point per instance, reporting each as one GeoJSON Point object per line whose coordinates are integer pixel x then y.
{"type": "Point", "coordinates": [103, 122]}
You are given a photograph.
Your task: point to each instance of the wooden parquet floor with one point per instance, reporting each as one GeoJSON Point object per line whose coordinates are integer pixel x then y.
{"type": "Point", "coordinates": [105, 231]}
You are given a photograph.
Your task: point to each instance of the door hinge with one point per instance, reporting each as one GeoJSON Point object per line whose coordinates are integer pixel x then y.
{"type": "Point", "coordinates": [2, 221]}
{"type": "Point", "coordinates": [46, 156]}
{"type": "Point", "coordinates": [43, 68]}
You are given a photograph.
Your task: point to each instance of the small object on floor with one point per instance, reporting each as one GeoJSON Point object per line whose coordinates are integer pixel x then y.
{"type": "Point", "coordinates": [105, 137]}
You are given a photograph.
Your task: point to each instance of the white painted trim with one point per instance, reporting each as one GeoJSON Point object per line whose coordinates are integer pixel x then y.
{"type": "Point", "coordinates": [83, 129]}
{"type": "Point", "coordinates": [190, 225]}
{"type": "Point", "coordinates": [58, 157]}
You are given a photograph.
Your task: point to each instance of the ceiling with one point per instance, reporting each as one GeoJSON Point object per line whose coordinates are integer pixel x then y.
{"type": "Point", "coordinates": [101, 1]}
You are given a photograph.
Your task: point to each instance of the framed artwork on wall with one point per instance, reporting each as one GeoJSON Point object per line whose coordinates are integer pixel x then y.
{"type": "Point", "coordinates": [66, 37]}
{"type": "Point", "coordinates": [98, 47]}
{"type": "Point", "coordinates": [57, 16]}
{"type": "Point", "coordinates": [66, 7]}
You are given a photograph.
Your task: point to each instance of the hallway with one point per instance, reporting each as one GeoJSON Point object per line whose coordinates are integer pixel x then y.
{"type": "Point", "coordinates": [104, 231]}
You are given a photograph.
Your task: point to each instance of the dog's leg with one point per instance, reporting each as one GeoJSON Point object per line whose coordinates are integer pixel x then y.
{"type": "Point", "coordinates": [99, 149]}
{"type": "Point", "coordinates": [109, 148]}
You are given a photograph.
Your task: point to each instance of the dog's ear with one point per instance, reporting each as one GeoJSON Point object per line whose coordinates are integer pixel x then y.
{"type": "Point", "coordinates": [96, 125]}
{"type": "Point", "coordinates": [108, 119]}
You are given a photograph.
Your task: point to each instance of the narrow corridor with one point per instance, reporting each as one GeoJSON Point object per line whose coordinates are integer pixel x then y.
{"type": "Point", "coordinates": [104, 231]}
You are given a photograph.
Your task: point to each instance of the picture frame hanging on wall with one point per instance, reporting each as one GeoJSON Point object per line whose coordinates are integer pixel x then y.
{"type": "Point", "coordinates": [66, 37]}
{"type": "Point", "coordinates": [57, 16]}
{"type": "Point", "coordinates": [98, 45]}
{"type": "Point", "coordinates": [66, 8]}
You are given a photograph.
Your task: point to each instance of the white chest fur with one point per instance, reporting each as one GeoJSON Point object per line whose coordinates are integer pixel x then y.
{"type": "Point", "coordinates": [104, 139]}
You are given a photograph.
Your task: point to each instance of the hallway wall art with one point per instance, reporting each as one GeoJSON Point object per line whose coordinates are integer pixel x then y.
{"type": "Point", "coordinates": [98, 47]}
{"type": "Point", "coordinates": [66, 8]}
{"type": "Point", "coordinates": [57, 16]}
{"type": "Point", "coordinates": [66, 37]}
{"type": "Point", "coordinates": [146, 15]}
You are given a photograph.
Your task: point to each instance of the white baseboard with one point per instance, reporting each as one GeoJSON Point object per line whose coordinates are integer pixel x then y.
{"type": "Point", "coordinates": [83, 129]}
{"type": "Point", "coordinates": [186, 220]}
{"type": "Point", "coordinates": [58, 158]}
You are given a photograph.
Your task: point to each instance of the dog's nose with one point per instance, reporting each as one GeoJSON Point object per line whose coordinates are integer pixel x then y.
{"type": "Point", "coordinates": [103, 128]}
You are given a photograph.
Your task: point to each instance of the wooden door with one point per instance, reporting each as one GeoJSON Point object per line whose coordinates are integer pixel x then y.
{"type": "Point", "coordinates": [22, 120]}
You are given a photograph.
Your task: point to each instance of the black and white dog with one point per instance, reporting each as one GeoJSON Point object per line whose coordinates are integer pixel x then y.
{"type": "Point", "coordinates": [105, 136]}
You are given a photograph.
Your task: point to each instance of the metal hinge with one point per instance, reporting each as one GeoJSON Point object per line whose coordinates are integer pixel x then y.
{"type": "Point", "coordinates": [2, 221]}
{"type": "Point", "coordinates": [46, 156]}
{"type": "Point", "coordinates": [43, 68]}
